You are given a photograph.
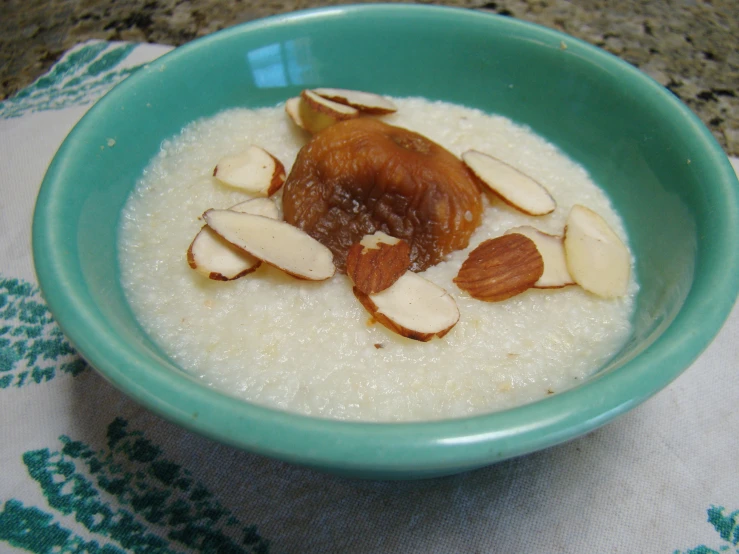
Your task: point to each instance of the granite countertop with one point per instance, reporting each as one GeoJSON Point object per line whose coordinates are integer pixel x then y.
{"type": "Point", "coordinates": [689, 46]}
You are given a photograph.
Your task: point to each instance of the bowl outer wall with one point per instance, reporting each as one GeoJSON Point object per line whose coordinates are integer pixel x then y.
{"type": "Point", "coordinates": [78, 285]}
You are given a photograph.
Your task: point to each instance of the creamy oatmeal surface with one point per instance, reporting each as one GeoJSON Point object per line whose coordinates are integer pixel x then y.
{"type": "Point", "coordinates": [310, 347]}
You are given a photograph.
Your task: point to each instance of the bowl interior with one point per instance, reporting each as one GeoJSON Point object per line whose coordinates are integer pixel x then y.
{"type": "Point", "coordinates": [665, 174]}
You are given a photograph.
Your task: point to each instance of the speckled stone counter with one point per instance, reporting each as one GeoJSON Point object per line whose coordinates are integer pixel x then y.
{"type": "Point", "coordinates": [689, 46]}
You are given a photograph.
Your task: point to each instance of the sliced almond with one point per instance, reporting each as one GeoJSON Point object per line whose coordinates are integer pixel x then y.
{"type": "Point", "coordinates": [254, 170]}
{"type": "Point", "coordinates": [377, 261]}
{"type": "Point", "coordinates": [501, 268]}
{"type": "Point", "coordinates": [551, 248]}
{"type": "Point", "coordinates": [215, 258]}
{"type": "Point", "coordinates": [314, 113]}
{"type": "Point", "coordinates": [515, 188]}
{"type": "Point", "coordinates": [367, 102]}
{"type": "Point", "coordinates": [596, 258]}
{"type": "Point", "coordinates": [293, 108]}
{"type": "Point", "coordinates": [337, 111]}
{"type": "Point", "coordinates": [412, 307]}
{"type": "Point", "coordinates": [258, 206]}
{"type": "Point", "coordinates": [219, 260]}
{"type": "Point", "coordinates": [275, 242]}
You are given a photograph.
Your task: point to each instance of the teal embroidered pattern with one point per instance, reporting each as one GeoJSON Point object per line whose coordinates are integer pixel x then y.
{"type": "Point", "coordinates": [33, 530]}
{"type": "Point", "coordinates": [159, 507]}
{"type": "Point", "coordinates": [32, 347]}
{"type": "Point", "coordinates": [83, 75]}
{"type": "Point", "coordinates": [727, 526]}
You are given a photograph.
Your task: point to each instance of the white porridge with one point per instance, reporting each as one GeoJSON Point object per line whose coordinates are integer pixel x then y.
{"type": "Point", "coordinates": [310, 347]}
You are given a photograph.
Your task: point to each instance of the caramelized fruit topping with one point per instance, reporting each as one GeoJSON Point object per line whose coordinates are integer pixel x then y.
{"type": "Point", "coordinates": [362, 175]}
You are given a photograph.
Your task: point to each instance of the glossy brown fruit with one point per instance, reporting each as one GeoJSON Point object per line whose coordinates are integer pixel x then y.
{"type": "Point", "coordinates": [362, 175]}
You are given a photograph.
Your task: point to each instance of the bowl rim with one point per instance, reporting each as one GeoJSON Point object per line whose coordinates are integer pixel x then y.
{"type": "Point", "coordinates": [437, 446]}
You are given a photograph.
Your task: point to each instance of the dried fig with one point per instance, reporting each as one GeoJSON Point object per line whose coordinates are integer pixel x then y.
{"type": "Point", "coordinates": [362, 175]}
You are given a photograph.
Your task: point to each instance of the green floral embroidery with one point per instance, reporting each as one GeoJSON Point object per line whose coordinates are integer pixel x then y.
{"type": "Point", "coordinates": [179, 513]}
{"type": "Point", "coordinates": [727, 526]}
{"type": "Point", "coordinates": [32, 347]}
{"type": "Point", "coordinates": [33, 530]}
{"type": "Point", "coordinates": [82, 76]}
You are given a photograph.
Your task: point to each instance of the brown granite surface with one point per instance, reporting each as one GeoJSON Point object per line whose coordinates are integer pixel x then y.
{"type": "Point", "coordinates": [690, 46]}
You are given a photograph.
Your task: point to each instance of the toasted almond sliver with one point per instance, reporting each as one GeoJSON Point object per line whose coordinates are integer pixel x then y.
{"type": "Point", "coordinates": [501, 268]}
{"type": "Point", "coordinates": [514, 187]}
{"type": "Point", "coordinates": [333, 109]}
{"type": "Point", "coordinates": [254, 170]}
{"type": "Point", "coordinates": [367, 102]}
{"type": "Point", "coordinates": [293, 108]}
{"type": "Point", "coordinates": [314, 113]}
{"type": "Point", "coordinates": [596, 258]}
{"type": "Point", "coordinates": [219, 260]}
{"type": "Point", "coordinates": [377, 261]}
{"type": "Point", "coordinates": [412, 307]}
{"type": "Point", "coordinates": [551, 248]}
{"type": "Point", "coordinates": [258, 206]}
{"type": "Point", "coordinates": [274, 242]}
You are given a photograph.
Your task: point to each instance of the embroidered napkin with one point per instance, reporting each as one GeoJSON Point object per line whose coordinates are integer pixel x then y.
{"type": "Point", "coordinates": [83, 469]}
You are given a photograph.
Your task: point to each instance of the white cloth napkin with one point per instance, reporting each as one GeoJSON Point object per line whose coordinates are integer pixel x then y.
{"type": "Point", "coordinates": [86, 470]}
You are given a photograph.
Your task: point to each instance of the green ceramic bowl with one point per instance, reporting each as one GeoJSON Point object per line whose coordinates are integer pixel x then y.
{"type": "Point", "coordinates": [666, 175]}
